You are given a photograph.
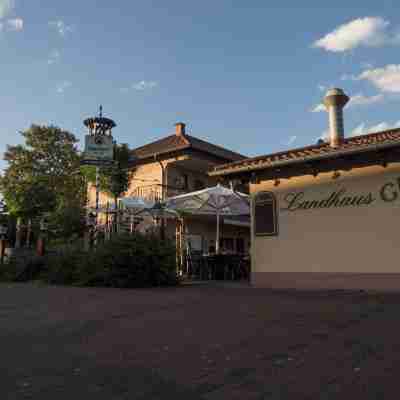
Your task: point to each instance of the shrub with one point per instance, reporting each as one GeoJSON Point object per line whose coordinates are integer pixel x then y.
{"type": "Point", "coordinates": [21, 271]}
{"type": "Point", "coordinates": [124, 262]}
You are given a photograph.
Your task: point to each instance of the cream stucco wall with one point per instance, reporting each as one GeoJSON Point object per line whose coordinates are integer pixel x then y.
{"type": "Point", "coordinates": [142, 176]}
{"type": "Point", "coordinates": [346, 240]}
{"type": "Point", "coordinates": [145, 175]}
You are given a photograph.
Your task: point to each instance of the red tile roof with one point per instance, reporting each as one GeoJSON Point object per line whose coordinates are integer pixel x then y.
{"type": "Point", "coordinates": [181, 142]}
{"type": "Point", "coordinates": [354, 144]}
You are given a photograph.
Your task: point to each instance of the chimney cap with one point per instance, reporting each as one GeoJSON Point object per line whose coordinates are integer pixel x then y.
{"type": "Point", "coordinates": [334, 92]}
{"type": "Point", "coordinates": [180, 128]}
{"type": "Point", "coordinates": [335, 97]}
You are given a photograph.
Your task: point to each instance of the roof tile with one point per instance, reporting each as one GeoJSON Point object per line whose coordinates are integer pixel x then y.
{"type": "Point", "coordinates": [312, 152]}
{"type": "Point", "coordinates": [179, 142]}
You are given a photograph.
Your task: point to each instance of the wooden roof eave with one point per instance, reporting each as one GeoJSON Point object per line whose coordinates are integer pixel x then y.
{"type": "Point", "coordinates": [302, 160]}
{"type": "Point", "coordinates": [158, 156]}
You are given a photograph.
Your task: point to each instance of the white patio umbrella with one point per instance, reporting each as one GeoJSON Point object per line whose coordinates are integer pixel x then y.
{"type": "Point", "coordinates": [136, 203]}
{"type": "Point", "coordinates": [135, 206]}
{"type": "Point", "coordinates": [159, 210]}
{"type": "Point", "coordinates": [217, 200]}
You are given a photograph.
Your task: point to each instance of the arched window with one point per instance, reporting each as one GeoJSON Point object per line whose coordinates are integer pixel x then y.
{"type": "Point", "coordinates": [265, 214]}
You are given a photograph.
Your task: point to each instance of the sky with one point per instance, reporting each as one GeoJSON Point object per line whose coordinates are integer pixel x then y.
{"type": "Point", "coordinates": [247, 75]}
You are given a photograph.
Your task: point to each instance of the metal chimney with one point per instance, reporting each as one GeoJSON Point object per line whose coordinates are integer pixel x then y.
{"type": "Point", "coordinates": [334, 101]}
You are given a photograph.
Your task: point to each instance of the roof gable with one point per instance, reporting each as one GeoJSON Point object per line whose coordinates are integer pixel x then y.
{"type": "Point", "coordinates": [180, 142]}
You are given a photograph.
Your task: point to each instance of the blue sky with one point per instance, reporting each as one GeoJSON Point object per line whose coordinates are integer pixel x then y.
{"type": "Point", "coordinates": [243, 74]}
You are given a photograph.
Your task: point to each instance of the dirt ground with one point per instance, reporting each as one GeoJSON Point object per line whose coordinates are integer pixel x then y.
{"type": "Point", "coordinates": [211, 341]}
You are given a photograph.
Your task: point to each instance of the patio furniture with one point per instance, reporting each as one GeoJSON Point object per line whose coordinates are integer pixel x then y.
{"type": "Point", "coordinates": [222, 266]}
{"type": "Point", "coordinates": [195, 265]}
{"type": "Point", "coordinates": [217, 200]}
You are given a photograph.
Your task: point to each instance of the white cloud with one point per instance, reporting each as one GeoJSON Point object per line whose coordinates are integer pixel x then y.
{"type": "Point", "coordinates": [357, 100]}
{"type": "Point", "coordinates": [61, 27]}
{"type": "Point", "coordinates": [144, 85]}
{"type": "Point", "coordinates": [63, 86]}
{"type": "Point", "coordinates": [386, 79]}
{"type": "Point", "coordinates": [368, 31]}
{"type": "Point", "coordinates": [322, 88]}
{"type": "Point", "coordinates": [54, 57]}
{"type": "Point", "coordinates": [291, 140]}
{"type": "Point", "coordinates": [324, 136]}
{"type": "Point", "coordinates": [361, 100]}
{"type": "Point", "coordinates": [362, 129]}
{"type": "Point", "coordinates": [318, 108]}
{"type": "Point", "coordinates": [140, 86]}
{"type": "Point", "coordinates": [15, 24]}
{"type": "Point", "coordinates": [6, 6]}
{"type": "Point", "coordinates": [348, 77]}
{"type": "Point", "coordinates": [367, 65]}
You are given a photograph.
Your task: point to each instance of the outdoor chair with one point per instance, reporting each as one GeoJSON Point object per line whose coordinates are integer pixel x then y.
{"type": "Point", "coordinates": [243, 269]}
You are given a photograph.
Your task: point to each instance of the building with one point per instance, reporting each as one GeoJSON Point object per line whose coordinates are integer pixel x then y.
{"type": "Point", "coordinates": [325, 215]}
{"type": "Point", "coordinates": [177, 164]}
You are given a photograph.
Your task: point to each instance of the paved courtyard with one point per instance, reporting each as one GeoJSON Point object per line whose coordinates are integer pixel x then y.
{"type": "Point", "coordinates": [196, 342]}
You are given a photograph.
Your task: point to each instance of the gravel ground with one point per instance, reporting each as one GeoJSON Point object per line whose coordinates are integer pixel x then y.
{"type": "Point", "coordinates": [213, 341]}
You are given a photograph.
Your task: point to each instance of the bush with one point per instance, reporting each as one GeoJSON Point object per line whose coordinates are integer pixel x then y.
{"type": "Point", "coordinates": [8, 272]}
{"type": "Point", "coordinates": [124, 262]}
{"type": "Point", "coordinates": [26, 270]}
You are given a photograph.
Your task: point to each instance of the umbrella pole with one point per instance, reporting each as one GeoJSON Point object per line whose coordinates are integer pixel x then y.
{"type": "Point", "coordinates": [132, 219]}
{"type": "Point", "coordinates": [217, 236]}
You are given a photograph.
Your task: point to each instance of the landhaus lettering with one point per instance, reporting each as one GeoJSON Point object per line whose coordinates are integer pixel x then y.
{"type": "Point", "coordinates": [389, 192]}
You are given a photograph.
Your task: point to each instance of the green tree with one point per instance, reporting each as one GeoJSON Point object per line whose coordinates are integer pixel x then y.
{"type": "Point", "coordinates": [42, 175]}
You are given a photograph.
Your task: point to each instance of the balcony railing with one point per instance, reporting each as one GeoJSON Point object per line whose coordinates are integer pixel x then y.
{"type": "Point", "coordinates": [156, 192]}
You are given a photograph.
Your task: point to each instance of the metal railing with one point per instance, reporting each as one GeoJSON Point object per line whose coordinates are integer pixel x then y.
{"type": "Point", "coordinates": [156, 192]}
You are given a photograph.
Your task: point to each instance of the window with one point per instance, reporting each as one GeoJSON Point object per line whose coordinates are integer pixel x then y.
{"type": "Point", "coordinates": [182, 182]}
{"type": "Point", "coordinates": [240, 245]}
{"type": "Point", "coordinates": [198, 184]}
{"type": "Point", "coordinates": [265, 215]}
{"type": "Point", "coordinates": [185, 181]}
{"type": "Point", "coordinates": [226, 244]}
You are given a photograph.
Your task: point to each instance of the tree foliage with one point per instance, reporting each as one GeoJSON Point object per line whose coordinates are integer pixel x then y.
{"type": "Point", "coordinates": [42, 175]}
